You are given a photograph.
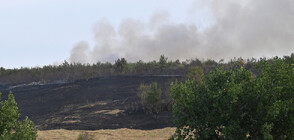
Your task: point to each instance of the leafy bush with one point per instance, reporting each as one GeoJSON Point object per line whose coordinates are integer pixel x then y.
{"type": "Point", "coordinates": [235, 104]}
{"type": "Point", "coordinates": [10, 128]}
{"type": "Point", "coordinates": [150, 97]}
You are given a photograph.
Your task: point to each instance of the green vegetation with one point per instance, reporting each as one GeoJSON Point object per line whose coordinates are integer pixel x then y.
{"type": "Point", "coordinates": [237, 104]}
{"type": "Point", "coordinates": [150, 98]}
{"type": "Point", "coordinates": [10, 128]}
{"type": "Point", "coordinates": [194, 73]}
{"type": "Point", "coordinates": [162, 62]}
{"type": "Point", "coordinates": [240, 99]}
{"type": "Point", "coordinates": [69, 72]}
{"type": "Point", "coordinates": [121, 65]}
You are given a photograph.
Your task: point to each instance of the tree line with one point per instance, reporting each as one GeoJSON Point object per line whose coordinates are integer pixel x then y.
{"type": "Point", "coordinates": [69, 72]}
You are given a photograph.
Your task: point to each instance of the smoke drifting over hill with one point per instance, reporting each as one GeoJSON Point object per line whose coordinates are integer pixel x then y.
{"type": "Point", "coordinates": [240, 28]}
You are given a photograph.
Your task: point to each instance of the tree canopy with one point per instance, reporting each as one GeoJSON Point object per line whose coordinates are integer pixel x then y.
{"type": "Point", "coordinates": [237, 104]}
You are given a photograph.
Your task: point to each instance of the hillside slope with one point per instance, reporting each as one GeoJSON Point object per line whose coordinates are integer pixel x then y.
{"type": "Point", "coordinates": [100, 103]}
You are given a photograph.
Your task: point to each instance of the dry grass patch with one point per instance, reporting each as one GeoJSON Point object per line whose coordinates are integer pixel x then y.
{"type": "Point", "coordinates": [92, 105]}
{"type": "Point", "coordinates": [108, 134]}
{"type": "Point", "coordinates": [71, 121]}
{"type": "Point", "coordinates": [109, 112]}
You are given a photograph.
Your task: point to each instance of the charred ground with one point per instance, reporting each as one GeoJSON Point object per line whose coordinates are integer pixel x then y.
{"type": "Point", "coordinates": [99, 96]}
{"type": "Point", "coordinates": [99, 103]}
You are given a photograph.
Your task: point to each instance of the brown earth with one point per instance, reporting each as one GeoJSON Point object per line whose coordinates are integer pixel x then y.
{"type": "Point", "coordinates": [106, 134]}
{"type": "Point", "coordinates": [101, 103]}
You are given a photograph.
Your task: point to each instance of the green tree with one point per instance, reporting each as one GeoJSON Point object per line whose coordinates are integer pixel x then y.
{"type": "Point", "coordinates": [121, 65]}
{"type": "Point", "coordinates": [234, 104]}
{"type": "Point", "coordinates": [162, 62]}
{"type": "Point", "coordinates": [150, 97]}
{"type": "Point", "coordinates": [10, 128]}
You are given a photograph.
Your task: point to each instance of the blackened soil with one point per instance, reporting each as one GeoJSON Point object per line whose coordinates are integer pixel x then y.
{"type": "Point", "coordinates": [101, 103]}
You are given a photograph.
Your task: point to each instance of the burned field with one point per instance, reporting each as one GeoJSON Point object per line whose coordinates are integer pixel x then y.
{"type": "Point", "coordinates": [100, 103]}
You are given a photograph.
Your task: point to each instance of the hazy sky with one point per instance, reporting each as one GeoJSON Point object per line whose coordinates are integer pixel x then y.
{"type": "Point", "coordinates": [42, 32]}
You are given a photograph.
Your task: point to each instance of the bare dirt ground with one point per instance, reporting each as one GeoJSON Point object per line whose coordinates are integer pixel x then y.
{"type": "Point", "coordinates": [108, 134]}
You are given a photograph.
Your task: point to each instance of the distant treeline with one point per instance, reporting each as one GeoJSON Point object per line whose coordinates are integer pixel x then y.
{"type": "Point", "coordinates": [70, 72]}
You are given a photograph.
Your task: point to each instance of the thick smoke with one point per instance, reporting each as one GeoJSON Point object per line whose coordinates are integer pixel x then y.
{"type": "Point", "coordinates": [255, 28]}
{"type": "Point", "coordinates": [252, 28]}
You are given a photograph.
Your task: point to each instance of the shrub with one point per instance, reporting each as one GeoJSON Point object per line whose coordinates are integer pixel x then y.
{"type": "Point", "coordinates": [10, 128]}
{"type": "Point", "coordinates": [84, 136]}
{"type": "Point", "coordinates": [195, 73]}
{"type": "Point", "coordinates": [150, 97]}
{"type": "Point", "coordinates": [234, 104]}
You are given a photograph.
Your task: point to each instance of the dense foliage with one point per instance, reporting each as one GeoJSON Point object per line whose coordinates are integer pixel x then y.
{"type": "Point", "coordinates": [10, 127]}
{"type": "Point", "coordinates": [237, 104]}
